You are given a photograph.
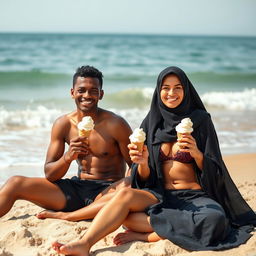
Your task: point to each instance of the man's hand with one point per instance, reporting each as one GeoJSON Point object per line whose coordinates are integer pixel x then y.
{"type": "Point", "coordinates": [78, 146]}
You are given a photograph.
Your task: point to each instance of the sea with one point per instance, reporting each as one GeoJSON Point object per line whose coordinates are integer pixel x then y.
{"type": "Point", "coordinates": [36, 76]}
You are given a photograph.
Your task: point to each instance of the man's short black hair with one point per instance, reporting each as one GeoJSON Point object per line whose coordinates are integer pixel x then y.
{"type": "Point", "coordinates": [88, 71]}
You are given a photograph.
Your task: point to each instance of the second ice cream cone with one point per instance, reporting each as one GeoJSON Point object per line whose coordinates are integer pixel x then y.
{"type": "Point", "coordinates": [138, 137]}
{"type": "Point", "coordinates": [139, 146]}
{"type": "Point", "coordinates": [179, 135]}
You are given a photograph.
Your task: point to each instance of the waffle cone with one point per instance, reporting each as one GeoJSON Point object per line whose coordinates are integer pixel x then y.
{"type": "Point", "coordinates": [179, 135]}
{"type": "Point", "coordinates": [84, 133]}
{"type": "Point", "coordinates": [139, 145]}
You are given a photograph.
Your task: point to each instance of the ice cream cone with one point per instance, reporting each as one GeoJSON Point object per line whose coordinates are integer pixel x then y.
{"type": "Point", "coordinates": [179, 135]}
{"type": "Point", "coordinates": [139, 146]}
{"type": "Point", "coordinates": [138, 137]}
{"type": "Point", "coordinates": [84, 133]}
{"type": "Point", "coordinates": [85, 126]}
{"type": "Point", "coordinates": [184, 127]}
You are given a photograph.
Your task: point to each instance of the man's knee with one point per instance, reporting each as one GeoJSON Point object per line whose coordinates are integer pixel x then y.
{"type": "Point", "coordinates": [14, 185]}
{"type": "Point", "coordinates": [18, 184]}
{"type": "Point", "coordinates": [15, 181]}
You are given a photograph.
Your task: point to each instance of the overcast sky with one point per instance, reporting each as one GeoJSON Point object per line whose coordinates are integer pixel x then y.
{"type": "Point", "coordinates": [202, 17]}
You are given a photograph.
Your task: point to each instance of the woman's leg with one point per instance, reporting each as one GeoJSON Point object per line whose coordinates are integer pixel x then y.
{"type": "Point", "coordinates": [129, 236]}
{"type": "Point", "coordinates": [138, 229]}
{"type": "Point", "coordinates": [109, 218]}
{"type": "Point", "coordinates": [88, 212]}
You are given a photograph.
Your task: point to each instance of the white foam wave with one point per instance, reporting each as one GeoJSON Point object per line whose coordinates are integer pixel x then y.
{"type": "Point", "coordinates": [242, 100]}
{"type": "Point", "coordinates": [148, 92]}
{"type": "Point", "coordinates": [29, 118]}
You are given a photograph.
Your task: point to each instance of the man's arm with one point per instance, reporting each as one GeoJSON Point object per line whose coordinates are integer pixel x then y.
{"type": "Point", "coordinates": [121, 134]}
{"type": "Point", "coordinates": [56, 164]}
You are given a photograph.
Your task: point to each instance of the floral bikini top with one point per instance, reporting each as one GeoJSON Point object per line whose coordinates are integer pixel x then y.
{"type": "Point", "coordinates": [183, 157]}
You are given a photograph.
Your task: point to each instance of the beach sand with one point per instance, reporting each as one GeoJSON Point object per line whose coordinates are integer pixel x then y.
{"type": "Point", "coordinates": [22, 234]}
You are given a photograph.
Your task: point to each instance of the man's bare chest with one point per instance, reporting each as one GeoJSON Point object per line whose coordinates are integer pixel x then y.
{"type": "Point", "coordinates": [101, 143]}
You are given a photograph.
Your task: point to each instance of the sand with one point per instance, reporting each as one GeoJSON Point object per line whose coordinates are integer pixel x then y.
{"type": "Point", "coordinates": [22, 234]}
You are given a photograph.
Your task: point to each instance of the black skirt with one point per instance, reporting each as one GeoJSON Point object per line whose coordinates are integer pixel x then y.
{"type": "Point", "coordinates": [193, 221]}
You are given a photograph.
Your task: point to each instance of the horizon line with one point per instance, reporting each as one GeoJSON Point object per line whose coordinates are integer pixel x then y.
{"type": "Point", "coordinates": [125, 33]}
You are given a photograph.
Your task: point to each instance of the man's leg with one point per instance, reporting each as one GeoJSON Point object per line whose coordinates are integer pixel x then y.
{"type": "Point", "coordinates": [37, 190]}
{"type": "Point", "coordinates": [85, 213]}
{"type": "Point", "coordinates": [90, 211]}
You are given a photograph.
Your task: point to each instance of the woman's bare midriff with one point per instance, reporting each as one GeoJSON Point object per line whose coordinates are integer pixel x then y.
{"type": "Point", "coordinates": [179, 175]}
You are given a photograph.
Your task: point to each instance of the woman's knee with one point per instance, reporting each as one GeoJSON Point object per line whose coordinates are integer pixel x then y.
{"type": "Point", "coordinates": [125, 194]}
{"type": "Point", "coordinates": [217, 226]}
{"type": "Point", "coordinates": [216, 216]}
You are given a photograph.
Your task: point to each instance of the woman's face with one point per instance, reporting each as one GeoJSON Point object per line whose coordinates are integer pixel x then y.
{"type": "Point", "coordinates": [172, 92]}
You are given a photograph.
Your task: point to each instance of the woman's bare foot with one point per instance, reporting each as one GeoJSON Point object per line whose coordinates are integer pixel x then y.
{"type": "Point", "coordinates": [128, 236]}
{"type": "Point", "coordinates": [75, 248]}
{"type": "Point", "coordinates": [51, 214]}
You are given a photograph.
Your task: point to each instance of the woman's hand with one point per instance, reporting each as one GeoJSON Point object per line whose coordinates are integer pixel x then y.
{"type": "Point", "coordinates": [188, 144]}
{"type": "Point", "coordinates": [138, 157]}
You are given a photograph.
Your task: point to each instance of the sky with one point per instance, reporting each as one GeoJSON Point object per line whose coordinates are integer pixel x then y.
{"type": "Point", "coordinates": [193, 17]}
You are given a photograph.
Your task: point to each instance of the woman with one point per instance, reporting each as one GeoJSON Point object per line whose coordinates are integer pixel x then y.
{"type": "Point", "coordinates": [183, 187]}
{"type": "Point", "coordinates": [195, 194]}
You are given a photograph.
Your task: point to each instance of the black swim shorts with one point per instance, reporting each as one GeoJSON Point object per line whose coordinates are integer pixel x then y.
{"type": "Point", "coordinates": [80, 193]}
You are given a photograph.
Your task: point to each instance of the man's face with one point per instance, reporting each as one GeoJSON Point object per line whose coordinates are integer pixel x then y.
{"type": "Point", "coordinates": [86, 93]}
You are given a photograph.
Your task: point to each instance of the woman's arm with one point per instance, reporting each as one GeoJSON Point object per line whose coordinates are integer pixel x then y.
{"type": "Point", "coordinates": [140, 158]}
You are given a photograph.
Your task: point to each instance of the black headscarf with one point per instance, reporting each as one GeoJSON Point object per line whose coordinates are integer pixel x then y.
{"type": "Point", "coordinates": [161, 121]}
{"type": "Point", "coordinates": [159, 126]}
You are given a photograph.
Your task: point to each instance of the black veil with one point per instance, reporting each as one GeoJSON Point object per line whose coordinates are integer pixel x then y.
{"type": "Point", "coordinates": [159, 125]}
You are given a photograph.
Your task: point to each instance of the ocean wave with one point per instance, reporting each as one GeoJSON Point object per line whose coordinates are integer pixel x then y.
{"type": "Point", "coordinates": [141, 97]}
{"type": "Point", "coordinates": [41, 117]}
{"type": "Point", "coordinates": [129, 98]}
{"type": "Point", "coordinates": [32, 78]}
{"type": "Point", "coordinates": [242, 100]}
{"type": "Point", "coordinates": [132, 79]}
{"type": "Point", "coordinates": [126, 101]}
{"type": "Point", "coordinates": [224, 77]}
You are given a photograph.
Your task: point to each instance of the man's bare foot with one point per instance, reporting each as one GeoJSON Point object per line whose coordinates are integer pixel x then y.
{"type": "Point", "coordinates": [128, 236]}
{"type": "Point", "coordinates": [51, 214]}
{"type": "Point", "coordinates": [75, 248]}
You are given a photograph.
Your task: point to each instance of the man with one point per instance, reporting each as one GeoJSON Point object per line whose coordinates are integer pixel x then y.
{"type": "Point", "coordinates": [101, 158]}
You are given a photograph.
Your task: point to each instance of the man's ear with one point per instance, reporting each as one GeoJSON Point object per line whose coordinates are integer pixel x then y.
{"type": "Point", "coordinates": [72, 93]}
{"type": "Point", "coordinates": [101, 94]}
